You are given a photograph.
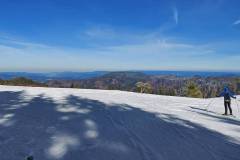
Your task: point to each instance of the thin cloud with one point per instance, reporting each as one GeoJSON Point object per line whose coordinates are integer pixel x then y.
{"type": "Point", "coordinates": [154, 51]}
{"type": "Point", "coordinates": [44, 58]}
{"type": "Point", "coordinates": [175, 15]}
{"type": "Point", "coordinates": [237, 22]}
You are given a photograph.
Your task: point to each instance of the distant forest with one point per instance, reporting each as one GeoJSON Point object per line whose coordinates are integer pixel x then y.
{"type": "Point", "coordinates": [21, 81]}
{"type": "Point", "coordinates": [196, 86]}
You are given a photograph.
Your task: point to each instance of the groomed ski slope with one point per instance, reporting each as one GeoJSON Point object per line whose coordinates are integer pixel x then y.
{"type": "Point", "coordinates": [74, 124]}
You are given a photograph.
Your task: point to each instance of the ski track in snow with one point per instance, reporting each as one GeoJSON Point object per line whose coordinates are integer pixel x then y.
{"type": "Point", "coordinates": [71, 124]}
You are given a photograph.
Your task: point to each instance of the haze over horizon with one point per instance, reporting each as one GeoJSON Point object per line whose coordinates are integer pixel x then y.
{"type": "Point", "coordinates": [71, 35]}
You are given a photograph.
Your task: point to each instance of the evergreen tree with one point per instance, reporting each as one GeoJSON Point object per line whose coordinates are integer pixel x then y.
{"type": "Point", "coordinates": [148, 88]}
{"type": "Point", "coordinates": [140, 87]}
{"type": "Point", "coordinates": [237, 86]}
{"type": "Point", "coordinates": [193, 91]}
{"type": "Point", "coordinates": [144, 87]}
{"type": "Point", "coordinates": [161, 90]}
{"type": "Point", "coordinates": [172, 92]}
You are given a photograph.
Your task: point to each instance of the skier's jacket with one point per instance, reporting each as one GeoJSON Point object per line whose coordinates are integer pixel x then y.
{"type": "Point", "coordinates": [227, 94]}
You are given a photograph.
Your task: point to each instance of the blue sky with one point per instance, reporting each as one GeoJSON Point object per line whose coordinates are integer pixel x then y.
{"type": "Point", "coordinates": [83, 35]}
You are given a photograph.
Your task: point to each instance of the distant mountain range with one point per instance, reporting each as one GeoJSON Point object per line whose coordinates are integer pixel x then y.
{"type": "Point", "coordinates": [193, 73]}
{"type": "Point", "coordinates": [43, 77]}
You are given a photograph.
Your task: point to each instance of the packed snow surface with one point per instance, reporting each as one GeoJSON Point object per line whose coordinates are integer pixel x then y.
{"type": "Point", "coordinates": [74, 124]}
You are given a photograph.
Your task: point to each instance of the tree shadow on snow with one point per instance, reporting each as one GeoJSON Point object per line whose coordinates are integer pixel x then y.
{"type": "Point", "coordinates": [87, 129]}
{"type": "Point", "coordinates": [218, 117]}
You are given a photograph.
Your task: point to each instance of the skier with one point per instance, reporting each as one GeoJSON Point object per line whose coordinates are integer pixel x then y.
{"type": "Point", "coordinates": [227, 94]}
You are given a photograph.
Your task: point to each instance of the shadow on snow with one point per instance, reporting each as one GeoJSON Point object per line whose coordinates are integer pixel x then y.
{"type": "Point", "coordinates": [218, 117]}
{"type": "Point", "coordinates": [88, 129]}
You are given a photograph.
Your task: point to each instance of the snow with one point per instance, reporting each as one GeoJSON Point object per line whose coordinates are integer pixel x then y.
{"type": "Point", "coordinates": [72, 124]}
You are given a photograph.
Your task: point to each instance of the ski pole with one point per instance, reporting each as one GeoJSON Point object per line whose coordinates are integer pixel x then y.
{"type": "Point", "coordinates": [237, 106]}
{"type": "Point", "coordinates": [207, 108]}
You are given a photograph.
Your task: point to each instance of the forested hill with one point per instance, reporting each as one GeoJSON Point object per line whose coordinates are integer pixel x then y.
{"type": "Point", "coordinates": [197, 86]}
{"type": "Point", "coordinates": [164, 85]}
{"type": "Point", "coordinates": [21, 81]}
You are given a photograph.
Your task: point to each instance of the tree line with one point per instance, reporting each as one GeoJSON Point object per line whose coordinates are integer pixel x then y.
{"type": "Point", "coordinates": [193, 87]}
{"type": "Point", "coordinates": [21, 81]}
{"type": "Point", "coordinates": [199, 87]}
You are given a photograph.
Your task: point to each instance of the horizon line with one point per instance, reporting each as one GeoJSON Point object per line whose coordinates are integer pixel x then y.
{"type": "Point", "coordinates": [148, 70]}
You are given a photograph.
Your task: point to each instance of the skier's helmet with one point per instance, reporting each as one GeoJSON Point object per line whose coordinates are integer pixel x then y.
{"type": "Point", "coordinates": [226, 89]}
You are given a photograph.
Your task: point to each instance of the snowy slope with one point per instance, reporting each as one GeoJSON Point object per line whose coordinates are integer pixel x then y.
{"type": "Point", "coordinates": [74, 124]}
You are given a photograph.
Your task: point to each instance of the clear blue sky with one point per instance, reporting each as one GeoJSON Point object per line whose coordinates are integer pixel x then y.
{"type": "Point", "coordinates": [80, 35]}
